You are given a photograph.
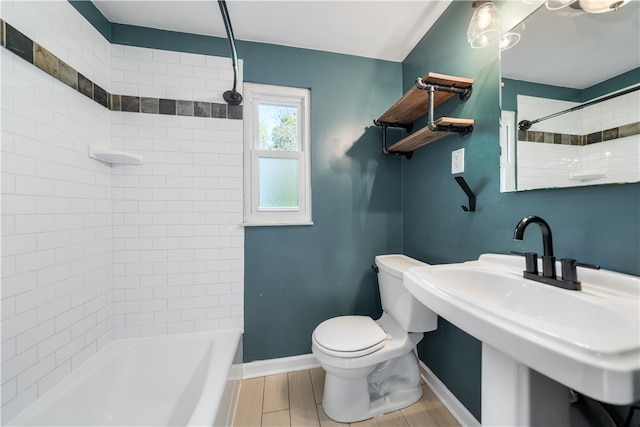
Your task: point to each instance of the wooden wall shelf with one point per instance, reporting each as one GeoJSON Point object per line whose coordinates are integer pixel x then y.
{"type": "Point", "coordinates": [416, 103]}
{"type": "Point", "coordinates": [425, 135]}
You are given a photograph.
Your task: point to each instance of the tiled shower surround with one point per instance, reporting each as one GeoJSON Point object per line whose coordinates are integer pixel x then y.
{"type": "Point", "coordinates": [92, 251]}
{"type": "Point", "coordinates": [595, 145]}
{"type": "Point", "coordinates": [37, 55]}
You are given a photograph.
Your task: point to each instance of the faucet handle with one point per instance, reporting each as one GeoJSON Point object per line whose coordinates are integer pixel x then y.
{"type": "Point", "coordinates": [530, 259]}
{"type": "Point", "coordinates": [569, 272]}
{"type": "Point", "coordinates": [531, 262]}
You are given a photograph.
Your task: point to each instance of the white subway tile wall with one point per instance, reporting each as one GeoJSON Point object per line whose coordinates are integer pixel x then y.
{"type": "Point", "coordinates": [158, 73]}
{"type": "Point", "coordinates": [92, 252]}
{"type": "Point", "coordinates": [553, 165]}
{"type": "Point", "coordinates": [60, 29]}
{"type": "Point", "coordinates": [609, 114]}
{"type": "Point", "coordinates": [56, 208]}
{"type": "Point", "coordinates": [547, 165]}
{"type": "Point", "coordinates": [178, 244]}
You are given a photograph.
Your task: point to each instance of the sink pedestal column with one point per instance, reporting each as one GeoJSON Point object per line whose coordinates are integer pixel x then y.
{"type": "Point", "coordinates": [515, 395]}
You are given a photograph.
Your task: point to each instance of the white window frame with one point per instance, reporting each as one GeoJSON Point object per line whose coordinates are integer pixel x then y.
{"type": "Point", "coordinates": [254, 95]}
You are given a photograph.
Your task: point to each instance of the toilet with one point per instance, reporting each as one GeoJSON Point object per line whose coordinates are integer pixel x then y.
{"type": "Point", "coordinates": [372, 365]}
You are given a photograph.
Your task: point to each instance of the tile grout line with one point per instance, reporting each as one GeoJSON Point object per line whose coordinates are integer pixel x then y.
{"type": "Point", "coordinates": [32, 52]}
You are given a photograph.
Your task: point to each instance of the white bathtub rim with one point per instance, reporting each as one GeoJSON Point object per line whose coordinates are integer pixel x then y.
{"type": "Point", "coordinates": [113, 349]}
{"type": "Point", "coordinates": [220, 366]}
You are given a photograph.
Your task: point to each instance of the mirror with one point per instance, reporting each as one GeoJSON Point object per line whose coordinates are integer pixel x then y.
{"type": "Point", "coordinates": [568, 59]}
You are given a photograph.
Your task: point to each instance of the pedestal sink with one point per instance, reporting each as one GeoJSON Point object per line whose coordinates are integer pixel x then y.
{"type": "Point", "coordinates": [587, 341]}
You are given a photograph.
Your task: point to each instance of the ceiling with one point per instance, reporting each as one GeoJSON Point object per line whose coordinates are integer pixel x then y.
{"type": "Point", "coordinates": [371, 28]}
{"type": "Point", "coordinates": [571, 48]}
{"type": "Point", "coordinates": [390, 29]}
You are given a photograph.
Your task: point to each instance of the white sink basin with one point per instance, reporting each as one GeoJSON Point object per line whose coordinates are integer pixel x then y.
{"type": "Point", "coordinates": [588, 340]}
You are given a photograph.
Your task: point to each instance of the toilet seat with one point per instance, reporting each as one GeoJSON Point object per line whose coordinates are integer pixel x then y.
{"type": "Point", "coordinates": [350, 336]}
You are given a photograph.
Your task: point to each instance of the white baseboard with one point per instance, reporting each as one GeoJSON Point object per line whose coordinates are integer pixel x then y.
{"type": "Point", "coordinates": [457, 409]}
{"type": "Point", "coordinates": [263, 368]}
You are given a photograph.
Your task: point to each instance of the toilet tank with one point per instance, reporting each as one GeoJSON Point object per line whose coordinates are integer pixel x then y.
{"type": "Point", "coordinates": [396, 300]}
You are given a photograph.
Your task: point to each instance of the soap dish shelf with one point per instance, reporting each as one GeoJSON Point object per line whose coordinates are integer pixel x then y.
{"type": "Point", "coordinates": [114, 157]}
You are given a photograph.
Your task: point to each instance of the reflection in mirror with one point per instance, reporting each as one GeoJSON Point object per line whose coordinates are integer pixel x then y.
{"type": "Point", "coordinates": [568, 59]}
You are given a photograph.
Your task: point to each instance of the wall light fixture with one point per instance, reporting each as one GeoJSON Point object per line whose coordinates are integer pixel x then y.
{"type": "Point", "coordinates": [601, 6]}
{"type": "Point", "coordinates": [485, 26]}
{"type": "Point", "coordinates": [590, 6]}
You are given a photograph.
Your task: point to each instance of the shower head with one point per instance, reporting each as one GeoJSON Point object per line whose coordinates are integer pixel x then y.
{"type": "Point", "coordinates": [231, 97]}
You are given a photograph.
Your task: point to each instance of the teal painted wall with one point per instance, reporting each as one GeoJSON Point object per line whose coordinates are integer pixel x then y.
{"type": "Point", "coordinates": [630, 78]}
{"type": "Point", "coordinates": [512, 88]}
{"type": "Point", "coordinates": [151, 38]}
{"type": "Point", "coordinates": [296, 277]}
{"type": "Point", "coordinates": [599, 224]}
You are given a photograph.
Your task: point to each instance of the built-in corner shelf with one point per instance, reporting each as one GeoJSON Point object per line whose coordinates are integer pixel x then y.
{"type": "Point", "coordinates": [589, 175]}
{"type": "Point", "coordinates": [115, 157]}
{"type": "Point", "coordinates": [429, 92]}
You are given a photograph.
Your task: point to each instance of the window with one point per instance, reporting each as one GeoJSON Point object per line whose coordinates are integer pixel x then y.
{"type": "Point", "coordinates": [276, 155]}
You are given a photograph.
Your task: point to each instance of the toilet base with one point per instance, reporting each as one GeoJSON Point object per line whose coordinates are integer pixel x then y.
{"type": "Point", "coordinates": [387, 387]}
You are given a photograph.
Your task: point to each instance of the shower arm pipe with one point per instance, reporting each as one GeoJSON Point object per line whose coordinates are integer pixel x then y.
{"type": "Point", "coordinates": [526, 124]}
{"type": "Point", "coordinates": [464, 94]}
{"type": "Point", "coordinates": [232, 96]}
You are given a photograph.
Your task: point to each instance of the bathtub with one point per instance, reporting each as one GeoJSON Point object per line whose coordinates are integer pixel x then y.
{"type": "Point", "coordinates": [186, 380]}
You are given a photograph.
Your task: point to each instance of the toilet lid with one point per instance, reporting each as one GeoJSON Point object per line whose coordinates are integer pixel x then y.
{"type": "Point", "coordinates": [350, 334]}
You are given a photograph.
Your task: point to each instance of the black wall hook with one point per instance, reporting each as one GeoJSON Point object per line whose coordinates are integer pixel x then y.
{"type": "Point", "coordinates": [472, 197]}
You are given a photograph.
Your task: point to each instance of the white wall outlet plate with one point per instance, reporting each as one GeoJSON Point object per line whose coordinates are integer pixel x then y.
{"type": "Point", "coordinates": [457, 161]}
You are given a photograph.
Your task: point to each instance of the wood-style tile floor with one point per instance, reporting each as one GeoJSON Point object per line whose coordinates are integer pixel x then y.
{"type": "Point", "coordinates": [294, 399]}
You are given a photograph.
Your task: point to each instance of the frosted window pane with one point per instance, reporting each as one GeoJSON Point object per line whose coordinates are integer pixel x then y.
{"type": "Point", "coordinates": [278, 183]}
{"type": "Point", "coordinates": [278, 127]}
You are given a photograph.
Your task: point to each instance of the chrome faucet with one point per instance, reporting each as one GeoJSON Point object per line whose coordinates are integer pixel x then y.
{"type": "Point", "coordinates": [569, 278]}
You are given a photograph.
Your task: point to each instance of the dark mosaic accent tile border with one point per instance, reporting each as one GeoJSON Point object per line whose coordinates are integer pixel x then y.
{"type": "Point", "coordinates": [85, 86]}
{"type": "Point", "coordinates": [167, 106]}
{"type": "Point", "coordinates": [218, 110]}
{"type": "Point", "coordinates": [202, 109]}
{"type": "Point", "coordinates": [234, 112]}
{"type": "Point", "coordinates": [184, 108]}
{"type": "Point", "coordinates": [591, 138]}
{"type": "Point", "coordinates": [100, 96]}
{"type": "Point", "coordinates": [130, 103]}
{"type": "Point", "coordinates": [18, 43]}
{"type": "Point", "coordinates": [32, 52]}
{"type": "Point", "coordinates": [45, 60]}
{"type": "Point", "coordinates": [67, 75]}
{"type": "Point", "coordinates": [149, 106]}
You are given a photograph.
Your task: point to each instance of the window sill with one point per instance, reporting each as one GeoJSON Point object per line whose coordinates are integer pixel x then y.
{"type": "Point", "coordinates": [275, 224]}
